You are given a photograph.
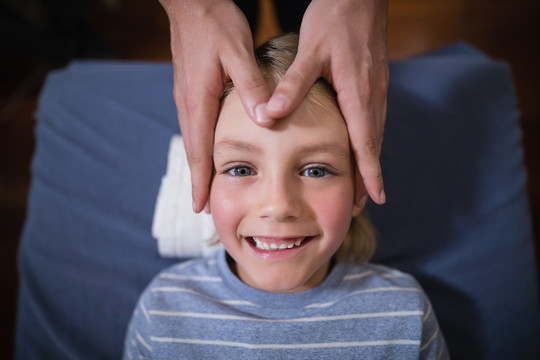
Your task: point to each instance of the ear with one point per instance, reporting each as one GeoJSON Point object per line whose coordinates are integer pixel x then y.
{"type": "Point", "coordinates": [360, 193]}
{"type": "Point", "coordinates": [358, 207]}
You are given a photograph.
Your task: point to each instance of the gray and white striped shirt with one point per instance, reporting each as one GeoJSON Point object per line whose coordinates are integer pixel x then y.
{"type": "Point", "coordinates": [200, 310]}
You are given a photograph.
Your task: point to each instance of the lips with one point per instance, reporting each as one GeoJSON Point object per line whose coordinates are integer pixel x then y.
{"type": "Point", "coordinates": [277, 244]}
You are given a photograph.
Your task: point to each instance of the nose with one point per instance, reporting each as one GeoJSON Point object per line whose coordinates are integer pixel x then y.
{"type": "Point", "coordinates": [279, 200]}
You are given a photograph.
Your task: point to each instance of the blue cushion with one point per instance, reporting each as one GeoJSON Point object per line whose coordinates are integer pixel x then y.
{"type": "Point", "coordinates": [457, 215]}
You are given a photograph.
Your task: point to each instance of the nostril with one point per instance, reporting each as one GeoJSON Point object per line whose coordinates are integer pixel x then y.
{"type": "Point", "coordinates": [279, 201]}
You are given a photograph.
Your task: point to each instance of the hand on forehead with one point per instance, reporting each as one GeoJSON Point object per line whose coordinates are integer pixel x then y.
{"type": "Point", "coordinates": [316, 124]}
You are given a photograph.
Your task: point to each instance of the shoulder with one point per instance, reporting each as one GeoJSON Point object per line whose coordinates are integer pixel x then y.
{"type": "Point", "coordinates": [171, 291]}
{"type": "Point", "coordinates": [194, 274]}
{"type": "Point", "coordinates": [381, 288]}
{"type": "Point", "coordinates": [181, 283]}
{"type": "Point", "coordinates": [196, 270]}
{"type": "Point", "coordinates": [371, 275]}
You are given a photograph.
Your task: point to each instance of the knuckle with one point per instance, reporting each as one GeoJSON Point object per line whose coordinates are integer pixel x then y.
{"type": "Point", "coordinates": [197, 159]}
{"type": "Point", "coordinates": [301, 75]}
{"type": "Point", "coordinates": [296, 76]}
{"type": "Point", "coordinates": [371, 147]}
{"type": "Point", "coordinates": [253, 83]}
{"type": "Point", "coordinates": [371, 170]}
{"type": "Point", "coordinates": [377, 176]}
{"type": "Point", "coordinates": [371, 78]}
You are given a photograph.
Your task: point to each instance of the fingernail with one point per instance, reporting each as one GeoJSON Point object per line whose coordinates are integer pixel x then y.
{"type": "Point", "coordinates": [277, 102]}
{"type": "Point", "coordinates": [194, 206]}
{"type": "Point", "coordinates": [207, 208]}
{"type": "Point", "coordinates": [382, 197]}
{"type": "Point", "coordinates": [260, 114]}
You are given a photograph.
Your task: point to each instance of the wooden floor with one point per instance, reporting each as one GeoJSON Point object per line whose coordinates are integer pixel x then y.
{"type": "Point", "coordinates": [138, 30]}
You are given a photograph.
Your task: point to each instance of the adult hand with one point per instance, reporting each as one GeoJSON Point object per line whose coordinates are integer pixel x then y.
{"type": "Point", "coordinates": [211, 42]}
{"type": "Point", "coordinates": [344, 41]}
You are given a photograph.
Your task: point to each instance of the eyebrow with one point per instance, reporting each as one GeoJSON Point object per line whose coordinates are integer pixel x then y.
{"type": "Point", "coordinates": [242, 146]}
{"type": "Point", "coordinates": [326, 148]}
{"type": "Point", "coordinates": [236, 145]}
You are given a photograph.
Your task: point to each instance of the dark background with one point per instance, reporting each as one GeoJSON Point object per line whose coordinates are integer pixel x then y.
{"type": "Point", "coordinates": [39, 35]}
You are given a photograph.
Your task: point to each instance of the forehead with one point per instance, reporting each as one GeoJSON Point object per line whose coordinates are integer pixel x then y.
{"type": "Point", "coordinates": [309, 122]}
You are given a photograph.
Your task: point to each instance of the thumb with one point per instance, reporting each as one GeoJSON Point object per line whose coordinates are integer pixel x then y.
{"type": "Point", "coordinates": [293, 87]}
{"type": "Point", "coordinates": [252, 90]}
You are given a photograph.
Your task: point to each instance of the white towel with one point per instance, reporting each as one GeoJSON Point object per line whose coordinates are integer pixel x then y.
{"type": "Point", "coordinates": [178, 230]}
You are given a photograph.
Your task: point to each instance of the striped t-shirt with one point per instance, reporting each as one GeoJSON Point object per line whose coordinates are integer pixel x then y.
{"type": "Point", "coordinates": [200, 310]}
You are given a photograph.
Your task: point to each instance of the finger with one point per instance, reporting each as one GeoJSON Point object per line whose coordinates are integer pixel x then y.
{"type": "Point", "coordinates": [369, 166]}
{"type": "Point", "coordinates": [293, 87]}
{"type": "Point", "coordinates": [251, 87]}
{"type": "Point", "coordinates": [197, 121]}
{"type": "Point", "coordinates": [365, 124]}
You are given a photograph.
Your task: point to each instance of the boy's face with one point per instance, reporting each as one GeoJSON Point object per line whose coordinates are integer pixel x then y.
{"type": "Point", "coordinates": [282, 198]}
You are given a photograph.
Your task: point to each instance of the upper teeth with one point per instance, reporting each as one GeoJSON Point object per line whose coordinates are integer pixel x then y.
{"type": "Point", "coordinates": [273, 246]}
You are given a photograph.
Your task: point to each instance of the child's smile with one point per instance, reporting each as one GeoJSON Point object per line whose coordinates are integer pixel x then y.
{"type": "Point", "coordinates": [277, 243]}
{"type": "Point", "coordinates": [282, 198]}
{"type": "Point", "coordinates": [277, 248]}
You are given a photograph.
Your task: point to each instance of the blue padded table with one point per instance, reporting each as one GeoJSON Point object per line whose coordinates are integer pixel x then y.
{"type": "Point", "coordinates": [457, 215]}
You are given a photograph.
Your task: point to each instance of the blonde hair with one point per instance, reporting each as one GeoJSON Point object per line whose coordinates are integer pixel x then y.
{"type": "Point", "coordinates": [274, 58]}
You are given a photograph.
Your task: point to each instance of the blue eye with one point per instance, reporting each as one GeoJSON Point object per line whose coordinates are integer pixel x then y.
{"type": "Point", "coordinates": [240, 171]}
{"type": "Point", "coordinates": [315, 172]}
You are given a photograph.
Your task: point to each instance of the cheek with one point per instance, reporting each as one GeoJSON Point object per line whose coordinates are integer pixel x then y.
{"type": "Point", "coordinates": [333, 210]}
{"type": "Point", "coordinates": [226, 208]}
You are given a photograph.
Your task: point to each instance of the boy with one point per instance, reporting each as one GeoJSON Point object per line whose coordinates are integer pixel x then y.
{"type": "Point", "coordinates": [292, 281]}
